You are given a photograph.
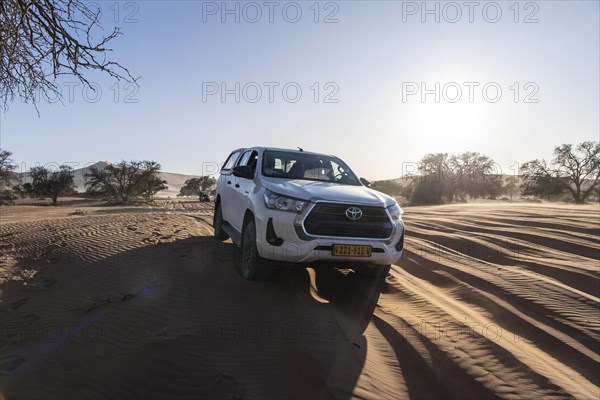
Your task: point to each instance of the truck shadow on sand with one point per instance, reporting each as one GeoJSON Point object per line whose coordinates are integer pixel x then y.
{"type": "Point", "coordinates": [177, 320]}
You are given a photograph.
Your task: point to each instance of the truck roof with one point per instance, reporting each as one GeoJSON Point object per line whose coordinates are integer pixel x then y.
{"type": "Point", "coordinates": [289, 150]}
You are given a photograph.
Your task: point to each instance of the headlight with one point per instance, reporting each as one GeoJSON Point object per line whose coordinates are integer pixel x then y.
{"type": "Point", "coordinates": [278, 202]}
{"type": "Point", "coordinates": [395, 212]}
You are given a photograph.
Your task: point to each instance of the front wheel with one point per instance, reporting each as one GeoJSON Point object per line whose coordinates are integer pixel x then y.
{"type": "Point", "coordinates": [254, 267]}
{"type": "Point", "coordinates": [220, 234]}
{"type": "Point", "coordinates": [373, 271]}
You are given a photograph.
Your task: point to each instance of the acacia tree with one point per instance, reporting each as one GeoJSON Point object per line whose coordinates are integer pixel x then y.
{"type": "Point", "coordinates": [207, 182]}
{"type": "Point", "coordinates": [52, 184]}
{"type": "Point", "coordinates": [511, 187]}
{"type": "Point", "coordinates": [24, 190]}
{"type": "Point", "coordinates": [7, 175]}
{"type": "Point", "coordinates": [538, 179]}
{"type": "Point", "coordinates": [446, 178]}
{"type": "Point", "coordinates": [151, 184]}
{"type": "Point", "coordinates": [579, 168]}
{"type": "Point", "coordinates": [125, 180]}
{"type": "Point", "coordinates": [7, 169]}
{"type": "Point", "coordinates": [575, 170]}
{"type": "Point", "coordinates": [41, 40]}
{"type": "Point", "coordinates": [433, 185]}
{"type": "Point", "coordinates": [193, 186]}
{"type": "Point", "coordinates": [473, 175]}
{"type": "Point", "coordinates": [389, 187]}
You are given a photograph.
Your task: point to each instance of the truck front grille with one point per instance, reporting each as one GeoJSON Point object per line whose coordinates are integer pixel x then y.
{"type": "Point", "coordinates": [329, 219]}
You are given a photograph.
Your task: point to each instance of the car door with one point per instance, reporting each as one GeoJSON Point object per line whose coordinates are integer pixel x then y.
{"type": "Point", "coordinates": [241, 188]}
{"type": "Point", "coordinates": [226, 185]}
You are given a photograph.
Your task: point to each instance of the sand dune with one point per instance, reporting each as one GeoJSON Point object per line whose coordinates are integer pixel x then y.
{"type": "Point", "coordinates": [490, 301]}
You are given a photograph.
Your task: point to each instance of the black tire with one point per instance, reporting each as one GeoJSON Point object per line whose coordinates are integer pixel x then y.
{"type": "Point", "coordinates": [373, 271]}
{"type": "Point", "coordinates": [220, 234]}
{"type": "Point", "coordinates": [254, 267]}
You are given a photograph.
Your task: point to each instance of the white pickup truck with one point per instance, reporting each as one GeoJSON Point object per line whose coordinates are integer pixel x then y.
{"type": "Point", "coordinates": [292, 206]}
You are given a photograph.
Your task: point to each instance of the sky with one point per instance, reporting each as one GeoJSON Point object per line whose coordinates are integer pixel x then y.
{"type": "Point", "coordinates": [377, 83]}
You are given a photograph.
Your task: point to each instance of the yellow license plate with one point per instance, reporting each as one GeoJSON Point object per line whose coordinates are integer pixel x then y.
{"type": "Point", "coordinates": [351, 250]}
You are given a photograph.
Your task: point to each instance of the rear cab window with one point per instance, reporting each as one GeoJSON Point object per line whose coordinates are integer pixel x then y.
{"type": "Point", "coordinates": [230, 162]}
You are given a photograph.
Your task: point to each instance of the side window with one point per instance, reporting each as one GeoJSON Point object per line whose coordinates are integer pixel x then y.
{"type": "Point", "coordinates": [249, 158]}
{"type": "Point", "coordinates": [244, 158]}
{"type": "Point", "coordinates": [230, 160]}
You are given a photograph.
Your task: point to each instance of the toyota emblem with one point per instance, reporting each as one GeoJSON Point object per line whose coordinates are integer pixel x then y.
{"type": "Point", "coordinates": [353, 213]}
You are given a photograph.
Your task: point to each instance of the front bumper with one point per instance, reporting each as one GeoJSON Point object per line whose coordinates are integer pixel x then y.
{"type": "Point", "coordinates": [299, 247]}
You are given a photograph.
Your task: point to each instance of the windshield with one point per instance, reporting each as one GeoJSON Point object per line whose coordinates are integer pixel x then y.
{"type": "Point", "coordinates": [312, 167]}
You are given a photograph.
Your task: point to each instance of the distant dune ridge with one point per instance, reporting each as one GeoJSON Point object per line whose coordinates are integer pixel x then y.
{"type": "Point", "coordinates": [174, 180]}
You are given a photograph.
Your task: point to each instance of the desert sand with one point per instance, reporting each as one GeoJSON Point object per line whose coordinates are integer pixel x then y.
{"type": "Point", "coordinates": [491, 300]}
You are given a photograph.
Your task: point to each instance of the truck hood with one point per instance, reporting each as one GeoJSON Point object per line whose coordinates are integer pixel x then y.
{"type": "Point", "coordinates": [315, 191]}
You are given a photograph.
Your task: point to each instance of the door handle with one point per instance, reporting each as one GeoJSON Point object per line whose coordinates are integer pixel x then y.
{"type": "Point", "coordinates": [237, 185]}
{"type": "Point", "coordinates": [229, 182]}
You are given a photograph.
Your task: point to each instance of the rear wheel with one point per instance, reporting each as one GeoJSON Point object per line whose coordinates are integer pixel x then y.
{"type": "Point", "coordinates": [373, 270]}
{"type": "Point", "coordinates": [254, 267]}
{"type": "Point", "coordinates": [220, 234]}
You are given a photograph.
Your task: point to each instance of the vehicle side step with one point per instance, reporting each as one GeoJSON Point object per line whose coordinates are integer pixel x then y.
{"type": "Point", "coordinates": [235, 236]}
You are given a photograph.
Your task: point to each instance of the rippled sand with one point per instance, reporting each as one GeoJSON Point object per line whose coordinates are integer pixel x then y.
{"type": "Point", "coordinates": [491, 300]}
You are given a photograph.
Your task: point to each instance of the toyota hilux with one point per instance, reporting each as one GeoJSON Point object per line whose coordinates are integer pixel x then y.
{"type": "Point", "coordinates": [286, 206]}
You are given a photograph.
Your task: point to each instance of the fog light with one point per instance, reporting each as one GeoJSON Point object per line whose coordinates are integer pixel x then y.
{"type": "Point", "coordinates": [272, 238]}
{"type": "Point", "coordinates": [400, 244]}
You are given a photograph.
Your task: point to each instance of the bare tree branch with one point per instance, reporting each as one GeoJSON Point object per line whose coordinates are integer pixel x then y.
{"type": "Point", "coordinates": [41, 40]}
{"type": "Point", "coordinates": [576, 170]}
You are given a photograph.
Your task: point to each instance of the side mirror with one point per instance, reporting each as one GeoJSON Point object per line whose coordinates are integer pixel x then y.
{"type": "Point", "coordinates": [365, 182]}
{"type": "Point", "coordinates": [243, 171]}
